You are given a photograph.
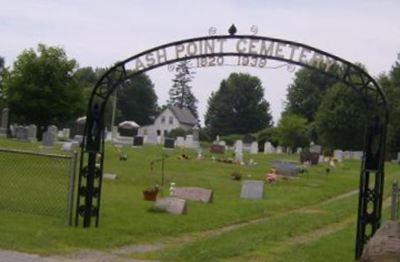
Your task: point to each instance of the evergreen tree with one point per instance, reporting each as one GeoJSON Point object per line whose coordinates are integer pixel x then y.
{"type": "Point", "coordinates": [180, 94]}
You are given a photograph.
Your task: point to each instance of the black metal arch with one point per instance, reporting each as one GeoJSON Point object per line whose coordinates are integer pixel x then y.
{"type": "Point", "coordinates": [372, 168]}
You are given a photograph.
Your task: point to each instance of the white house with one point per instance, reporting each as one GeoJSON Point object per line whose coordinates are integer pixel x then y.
{"type": "Point", "coordinates": [172, 117]}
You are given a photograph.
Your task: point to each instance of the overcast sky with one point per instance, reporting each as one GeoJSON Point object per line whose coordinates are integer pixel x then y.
{"type": "Point", "coordinates": [99, 33]}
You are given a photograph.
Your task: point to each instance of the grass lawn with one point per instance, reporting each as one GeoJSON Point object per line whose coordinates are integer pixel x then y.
{"type": "Point", "coordinates": [289, 215]}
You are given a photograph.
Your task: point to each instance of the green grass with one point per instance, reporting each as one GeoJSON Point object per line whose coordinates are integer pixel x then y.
{"type": "Point", "coordinates": [125, 218]}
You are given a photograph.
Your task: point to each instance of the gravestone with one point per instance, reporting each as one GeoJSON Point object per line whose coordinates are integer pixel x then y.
{"type": "Point", "coordinates": [32, 131]}
{"type": "Point", "coordinates": [152, 139]}
{"type": "Point", "coordinates": [53, 129]}
{"type": "Point", "coordinates": [13, 130]}
{"type": "Point", "coordinates": [69, 146]}
{"type": "Point", "coordinates": [268, 148]}
{"type": "Point", "coordinates": [239, 151]}
{"type": "Point", "coordinates": [286, 168]}
{"type": "Point", "coordinates": [194, 193]}
{"type": "Point", "coordinates": [298, 150]}
{"type": "Point", "coordinates": [138, 141]}
{"type": "Point", "coordinates": [48, 138]}
{"type": "Point", "coordinates": [110, 176]}
{"type": "Point", "coordinates": [338, 154]}
{"type": "Point", "coordinates": [252, 189]}
{"type": "Point", "coordinates": [189, 143]}
{"type": "Point", "coordinates": [22, 133]}
{"type": "Point", "coordinates": [357, 155]}
{"type": "Point", "coordinates": [171, 205]}
{"type": "Point", "coordinates": [315, 149]}
{"type": "Point", "coordinates": [66, 133]}
{"type": "Point", "coordinates": [114, 132]}
{"type": "Point", "coordinates": [312, 158]}
{"type": "Point", "coordinates": [196, 135]}
{"type": "Point", "coordinates": [320, 159]}
{"type": "Point", "coordinates": [347, 155]}
{"type": "Point", "coordinates": [254, 148]}
{"type": "Point", "coordinates": [169, 143]}
{"type": "Point", "coordinates": [180, 141]}
{"type": "Point", "coordinates": [217, 149]}
{"type": "Point", "coordinates": [4, 122]}
{"type": "Point", "coordinates": [279, 149]}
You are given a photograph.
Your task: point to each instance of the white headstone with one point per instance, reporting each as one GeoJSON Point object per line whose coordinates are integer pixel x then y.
{"type": "Point", "coordinates": [254, 147]}
{"type": "Point", "coordinates": [268, 148]}
{"type": "Point", "coordinates": [357, 155]}
{"type": "Point", "coordinates": [279, 149]}
{"type": "Point", "coordinates": [298, 150]}
{"type": "Point", "coordinates": [239, 146]}
{"type": "Point", "coordinates": [180, 141]}
{"type": "Point", "coordinates": [189, 141]}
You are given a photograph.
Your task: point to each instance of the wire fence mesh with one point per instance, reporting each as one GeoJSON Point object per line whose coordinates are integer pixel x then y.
{"type": "Point", "coordinates": [35, 183]}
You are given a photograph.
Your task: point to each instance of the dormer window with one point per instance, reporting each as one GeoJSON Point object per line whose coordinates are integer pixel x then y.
{"type": "Point", "coordinates": [163, 120]}
{"type": "Point", "coordinates": [171, 120]}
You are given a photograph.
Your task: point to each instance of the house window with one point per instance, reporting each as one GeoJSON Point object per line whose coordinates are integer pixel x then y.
{"type": "Point", "coordinates": [171, 120]}
{"type": "Point", "coordinates": [163, 120]}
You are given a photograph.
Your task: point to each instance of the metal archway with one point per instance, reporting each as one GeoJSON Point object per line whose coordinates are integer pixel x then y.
{"type": "Point", "coordinates": [210, 51]}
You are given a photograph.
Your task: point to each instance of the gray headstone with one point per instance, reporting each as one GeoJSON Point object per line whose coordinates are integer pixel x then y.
{"type": "Point", "coordinates": [195, 133]}
{"type": "Point", "coordinates": [32, 131]}
{"type": "Point", "coordinates": [252, 189]}
{"type": "Point", "coordinates": [21, 133]}
{"type": "Point", "coordinates": [48, 138]}
{"type": "Point", "coordinates": [316, 149]}
{"type": "Point", "coordinates": [171, 205]}
{"type": "Point", "coordinates": [194, 194]}
{"type": "Point", "coordinates": [69, 146]}
{"type": "Point", "coordinates": [279, 149]}
{"type": "Point", "coordinates": [4, 117]}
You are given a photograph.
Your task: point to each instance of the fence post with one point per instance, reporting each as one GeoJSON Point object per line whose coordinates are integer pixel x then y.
{"type": "Point", "coordinates": [395, 201]}
{"type": "Point", "coordinates": [71, 188]}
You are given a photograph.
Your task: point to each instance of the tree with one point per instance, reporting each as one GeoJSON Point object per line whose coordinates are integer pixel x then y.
{"type": "Point", "coordinates": [3, 72]}
{"type": "Point", "coordinates": [340, 120]}
{"type": "Point", "coordinates": [391, 85]}
{"type": "Point", "coordinates": [180, 93]}
{"type": "Point", "coordinates": [304, 95]}
{"type": "Point", "coordinates": [41, 89]}
{"type": "Point", "coordinates": [292, 131]}
{"type": "Point", "coordinates": [137, 100]}
{"type": "Point", "coordinates": [238, 107]}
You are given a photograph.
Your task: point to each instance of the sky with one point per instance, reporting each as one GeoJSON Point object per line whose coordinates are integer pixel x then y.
{"type": "Point", "coordinates": [99, 33]}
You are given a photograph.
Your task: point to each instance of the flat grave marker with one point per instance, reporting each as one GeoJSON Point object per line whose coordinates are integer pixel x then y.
{"type": "Point", "coordinates": [194, 193]}
{"type": "Point", "coordinates": [252, 189]}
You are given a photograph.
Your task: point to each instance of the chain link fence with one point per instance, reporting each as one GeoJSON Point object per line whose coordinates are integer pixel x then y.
{"type": "Point", "coordinates": [36, 183]}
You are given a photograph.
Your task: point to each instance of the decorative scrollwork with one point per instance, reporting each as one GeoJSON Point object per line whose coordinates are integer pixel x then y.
{"type": "Point", "coordinates": [171, 67]}
{"type": "Point", "coordinates": [290, 68]}
{"type": "Point", "coordinates": [212, 31]}
{"type": "Point", "coordinates": [254, 29]}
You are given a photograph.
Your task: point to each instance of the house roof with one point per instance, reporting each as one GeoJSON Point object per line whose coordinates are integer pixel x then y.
{"type": "Point", "coordinates": [183, 115]}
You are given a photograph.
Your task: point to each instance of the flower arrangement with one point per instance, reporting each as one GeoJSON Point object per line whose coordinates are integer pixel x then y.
{"type": "Point", "coordinates": [150, 193]}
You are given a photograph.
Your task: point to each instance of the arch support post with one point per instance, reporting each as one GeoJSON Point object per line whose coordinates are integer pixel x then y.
{"type": "Point", "coordinates": [90, 173]}
{"type": "Point", "coordinates": [371, 184]}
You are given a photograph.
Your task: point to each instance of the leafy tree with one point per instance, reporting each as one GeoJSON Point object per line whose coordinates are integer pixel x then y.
{"type": "Point", "coordinates": [180, 93]}
{"type": "Point", "coordinates": [391, 86]}
{"type": "Point", "coordinates": [238, 107]}
{"type": "Point", "coordinates": [137, 100]}
{"type": "Point", "coordinates": [41, 89]}
{"type": "Point", "coordinates": [304, 95]}
{"type": "Point", "coordinates": [292, 131]}
{"type": "Point", "coordinates": [340, 120]}
{"type": "Point", "coordinates": [3, 73]}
